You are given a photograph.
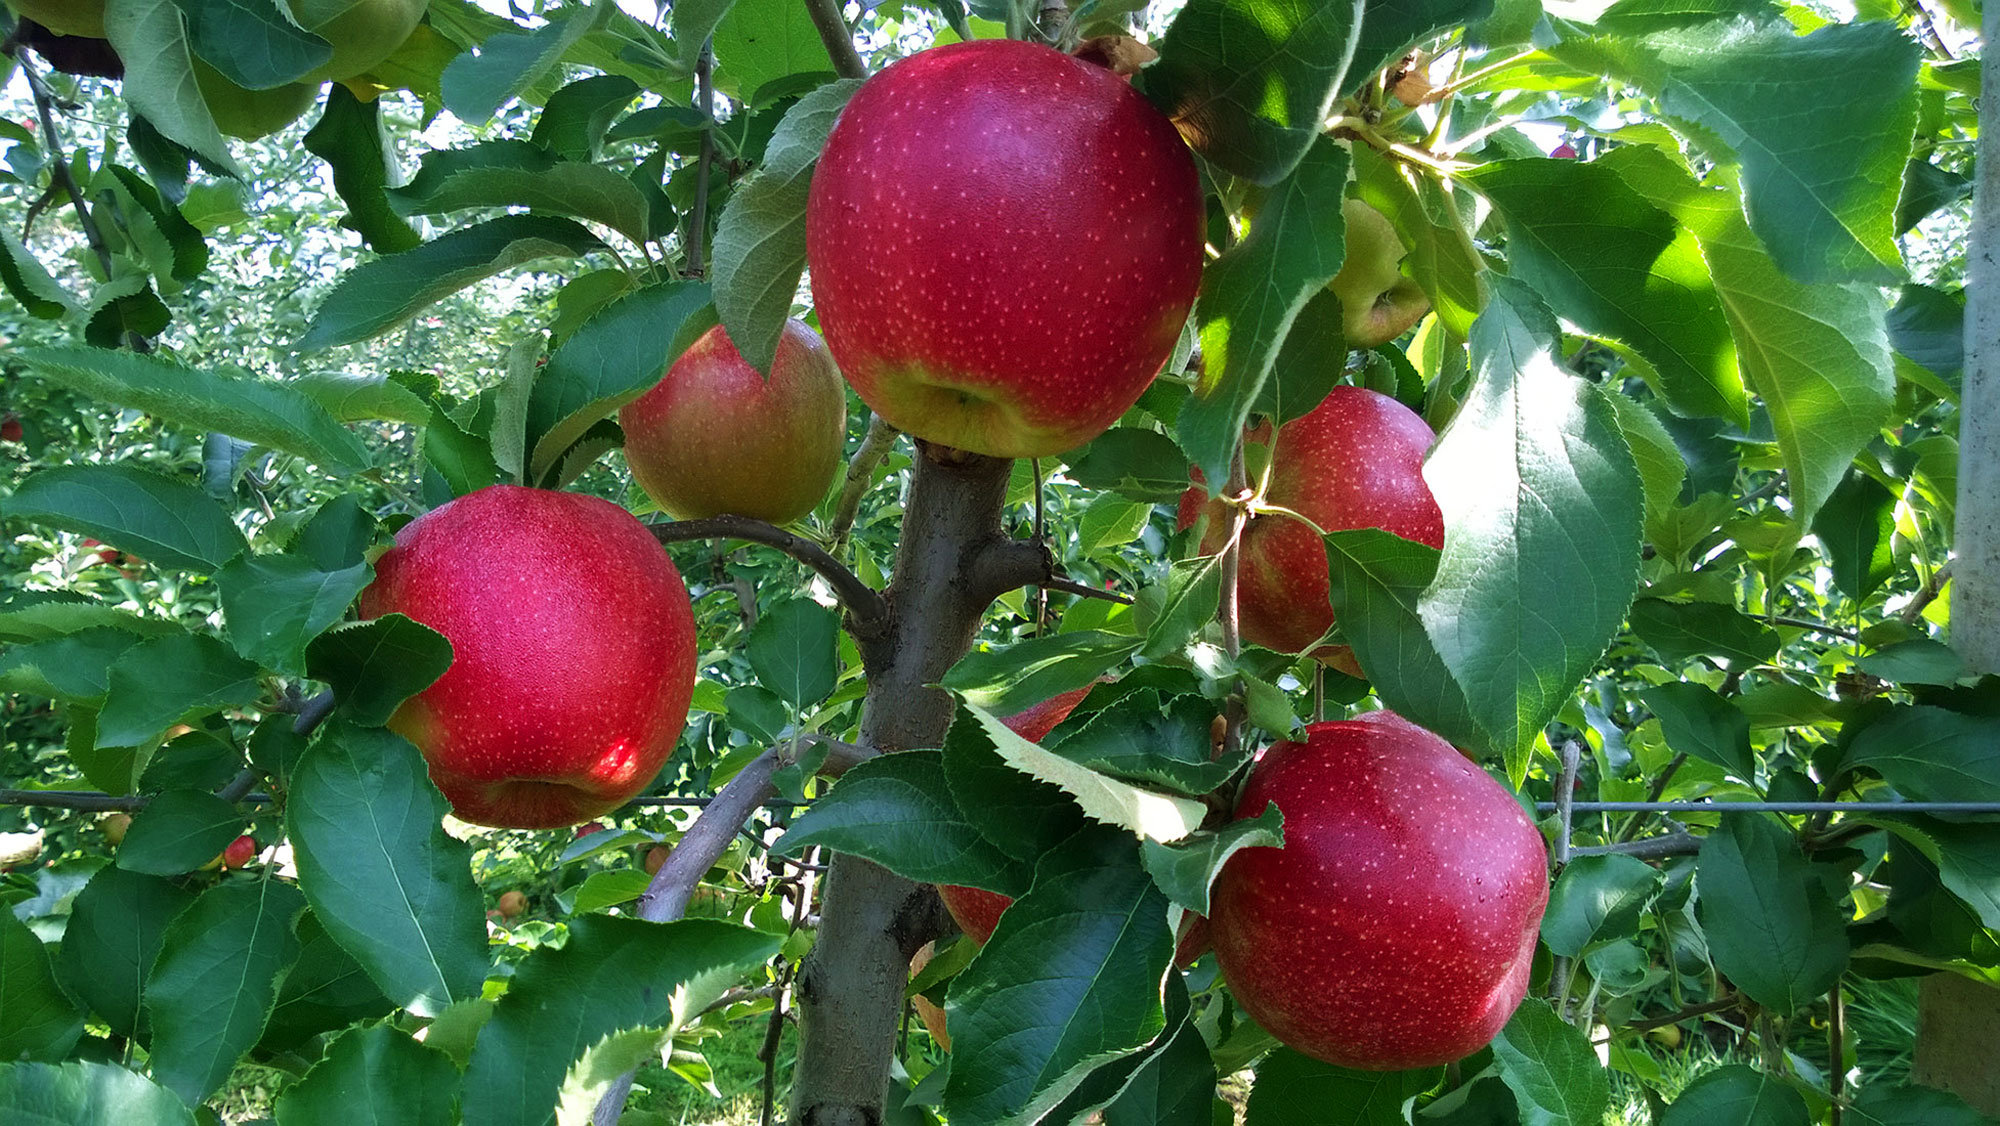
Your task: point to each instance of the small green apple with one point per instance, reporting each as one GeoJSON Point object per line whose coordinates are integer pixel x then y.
{"type": "Point", "coordinates": [1377, 302]}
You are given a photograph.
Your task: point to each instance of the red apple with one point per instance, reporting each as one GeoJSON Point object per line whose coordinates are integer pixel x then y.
{"type": "Point", "coordinates": [240, 852]}
{"type": "Point", "coordinates": [1354, 461]}
{"type": "Point", "coordinates": [1564, 151]}
{"type": "Point", "coordinates": [1004, 243]}
{"type": "Point", "coordinates": [574, 653]}
{"type": "Point", "coordinates": [512, 904]}
{"type": "Point", "coordinates": [656, 858]}
{"type": "Point", "coordinates": [977, 910]}
{"type": "Point", "coordinates": [715, 436]}
{"type": "Point", "coordinates": [10, 429]}
{"type": "Point", "coordinates": [588, 828]}
{"type": "Point", "coordinates": [1395, 927]}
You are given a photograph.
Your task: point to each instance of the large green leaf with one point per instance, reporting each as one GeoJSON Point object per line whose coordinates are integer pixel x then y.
{"type": "Point", "coordinates": [897, 810]}
{"type": "Point", "coordinates": [169, 522]}
{"type": "Point", "coordinates": [252, 44]}
{"type": "Point", "coordinates": [1251, 81]}
{"type": "Point", "coordinates": [1771, 925]}
{"type": "Point", "coordinates": [794, 650]}
{"type": "Point", "coordinates": [1019, 676]}
{"type": "Point", "coordinates": [1376, 581]}
{"type": "Point", "coordinates": [30, 283]}
{"type": "Point", "coordinates": [1821, 123]}
{"type": "Point", "coordinates": [1617, 266]}
{"type": "Point", "coordinates": [1597, 899]}
{"type": "Point", "coordinates": [760, 246]}
{"type": "Point", "coordinates": [1147, 813]}
{"type": "Point", "coordinates": [760, 42]}
{"type": "Point", "coordinates": [1543, 509]}
{"type": "Point", "coordinates": [376, 296]}
{"type": "Point", "coordinates": [618, 355]}
{"type": "Point", "coordinates": [152, 42]}
{"type": "Point", "coordinates": [216, 979]}
{"type": "Point", "coordinates": [86, 1094]}
{"type": "Point", "coordinates": [1022, 815]}
{"type": "Point", "coordinates": [1738, 1095]}
{"type": "Point", "coordinates": [1817, 355]}
{"type": "Point", "coordinates": [1698, 721]}
{"type": "Point", "coordinates": [1071, 978]}
{"type": "Point", "coordinates": [522, 174]}
{"type": "Point", "coordinates": [373, 666]}
{"type": "Point", "coordinates": [379, 870]}
{"type": "Point", "coordinates": [611, 974]}
{"type": "Point", "coordinates": [1548, 1064]}
{"type": "Point", "coordinates": [179, 831]}
{"type": "Point", "coordinates": [42, 1022]}
{"type": "Point", "coordinates": [162, 680]}
{"type": "Point", "coordinates": [1250, 296]}
{"type": "Point", "coordinates": [1292, 1088]}
{"type": "Point", "coordinates": [1930, 754]}
{"type": "Point", "coordinates": [348, 136]}
{"type": "Point", "coordinates": [376, 1075]}
{"type": "Point", "coordinates": [274, 604]}
{"type": "Point", "coordinates": [116, 925]}
{"type": "Point", "coordinates": [1967, 855]}
{"type": "Point", "coordinates": [477, 84]}
{"type": "Point", "coordinates": [1856, 525]}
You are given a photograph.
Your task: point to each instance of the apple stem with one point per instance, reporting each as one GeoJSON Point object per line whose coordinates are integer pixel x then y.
{"type": "Point", "coordinates": [1226, 609]}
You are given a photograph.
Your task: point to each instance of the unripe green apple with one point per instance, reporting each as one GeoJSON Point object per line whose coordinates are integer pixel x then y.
{"type": "Point", "coordinates": [251, 114]}
{"type": "Point", "coordinates": [715, 436]}
{"type": "Point", "coordinates": [573, 653]}
{"type": "Point", "coordinates": [115, 826]}
{"type": "Point", "coordinates": [363, 32]}
{"type": "Point", "coordinates": [64, 17]}
{"type": "Point", "coordinates": [1354, 461]}
{"type": "Point", "coordinates": [1004, 243]}
{"type": "Point", "coordinates": [1377, 302]}
{"type": "Point", "coordinates": [1395, 927]}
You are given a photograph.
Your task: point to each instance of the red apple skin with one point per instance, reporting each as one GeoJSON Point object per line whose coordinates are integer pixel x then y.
{"type": "Point", "coordinates": [11, 430]}
{"type": "Point", "coordinates": [1396, 926]}
{"type": "Point", "coordinates": [240, 852]}
{"type": "Point", "coordinates": [574, 653]}
{"type": "Point", "coordinates": [1354, 461]}
{"type": "Point", "coordinates": [977, 910]}
{"type": "Point", "coordinates": [1004, 243]}
{"type": "Point", "coordinates": [715, 436]}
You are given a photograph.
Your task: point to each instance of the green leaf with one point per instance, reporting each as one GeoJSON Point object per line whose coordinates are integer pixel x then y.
{"type": "Point", "coordinates": [1543, 512]}
{"type": "Point", "coordinates": [611, 974]}
{"type": "Point", "coordinates": [152, 41]}
{"type": "Point", "coordinates": [1156, 816]}
{"type": "Point", "coordinates": [1548, 1064]}
{"type": "Point", "coordinates": [1025, 673]}
{"type": "Point", "coordinates": [603, 1067]}
{"type": "Point", "coordinates": [1193, 589]}
{"type": "Point", "coordinates": [1390, 27]}
{"type": "Point", "coordinates": [1880, 1104]}
{"type": "Point", "coordinates": [116, 925]}
{"type": "Point", "coordinates": [42, 1022]}
{"type": "Point", "coordinates": [381, 874]}
{"type": "Point", "coordinates": [1144, 465]}
{"type": "Point", "coordinates": [1250, 296]}
{"type": "Point", "coordinates": [1186, 870]}
{"type": "Point", "coordinates": [1442, 258]}
{"type": "Point", "coordinates": [1679, 631]}
{"type": "Point", "coordinates": [179, 831]}
{"type": "Point", "coordinates": [1918, 661]}
{"type": "Point", "coordinates": [1855, 526]}
{"type": "Point", "coordinates": [1252, 81]}
{"type": "Point", "coordinates": [1022, 815]}
{"type": "Point", "coordinates": [326, 991]}
{"type": "Point", "coordinates": [1292, 1088]}
{"type": "Point", "coordinates": [1134, 740]}
{"type": "Point", "coordinates": [163, 680]}
{"type": "Point", "coordinates": [274, 604]}
{"type": "Point", "coordinates": [477, 84]}
{"type": "Point", "coordinates": [348, 136]}
{"type": "Point", "coordinates": [1175, 1086]}
{"type": "Point", "coordinates": [1820, 188]}
{"type": "Point", "coordinates": [216, 979]}
{"type": "Point", "coordinates": [523, 174]}
{"type": "Point", "coordinates": [75, 667]}
{"type": "Point", "coordinates": [1967, 856]}
{"type": "Point", "coordinates": [616, 356]}
{"type": "Point", "coordinates": [1623, 269]}
{"type": "Point", "coordinates": [794, 651]}
{"type": "Point", "coordinates": [376, 296]}
{"type": "Point", "coordinates": [1698, 721]}
{"type": "Point", "coordinates": [1771, 925]}
{"type": "Point", "coordinates": [760, 247]}
{"type": "Point", "coordinates": [86, 1094]}
{"type": "Point", "coordinates": [352, 397]}
{"type": "Point", "coordinates": [1738, 1095]}
{"type": "Point", "coordinates": [1111, 521]}
{"type": "Point", "coordinates": [1039, 1024]}
{"type": "Point", "coordinates": [1376, 580]}
{"type": "Point", "coordinates": [690, 24]}
{"type": "Point", "coordinates": [251, 44]}
{"type": "Point", "coordinates": [575, 118]}
{"type": "Point", "coordinates": [31, 284]}
{"type": "Point", "coordinates": [1817, 355]}
{"type": "Point", "coordinates": [376, 1075]}
{"type": "Point", "coordinates": [1598, 899]}
{"type": "Point", "coordinates": [897, 810]}
{"type": "Point", "coordinates": [1661, 466]}
{"type": "Point", "coordinates": [170, 523]}
{"type": "Point", "coordinates": [373, 666]}
{"type": "Point", "coordinates": [1930, 754]}
{"type": "Point", "coordinates": [763, 41]}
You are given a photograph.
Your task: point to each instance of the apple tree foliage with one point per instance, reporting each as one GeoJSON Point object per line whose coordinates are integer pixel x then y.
{"type": "Point", "coordinates": [1695, 379]}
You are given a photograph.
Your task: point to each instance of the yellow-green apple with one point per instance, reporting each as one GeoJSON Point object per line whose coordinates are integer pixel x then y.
{"type": "Point", "coordinates": [1395, 927]}
{"type": "Point", "coordinates": [976, 910]}
{"type": "Point", "coordinates": [1354, 461]}
{"type": "Point", "coordinates": [64, 17]}
{"type": "Point", "coordinates": [715, 436]}
{"type": "Point", "coordinates": [251, 114]}
{"type": "Point", "coordinates": [1004, 243]}
{"type": "Point", "coordinates": [115, 826]}
{"type": "Point", "coordinates": [1377, 302]}
{"type": "Point", "coordinates": [573, 653]}
{"type": "Point", "coordinates": [362, 32]}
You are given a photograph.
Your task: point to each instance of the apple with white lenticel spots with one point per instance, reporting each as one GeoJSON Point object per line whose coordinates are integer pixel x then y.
{"type": "Point", "coordinates": [1354, 461]}
{"type": "Point", "coordinates": [1004, 241]}
{"type": "Point", "coordinates": [1395, 927]}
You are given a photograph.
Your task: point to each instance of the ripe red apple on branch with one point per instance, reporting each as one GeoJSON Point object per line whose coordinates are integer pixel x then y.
{"type": "Point", "coordinates": [1354, 461]}
{"type": "Point", "coordinates": [715, 436]}
{"type": "Point", "coordinates": [573, 653]}
{"type": "Point", "coordinates": [1395, 927]}
{"type": "Point", "coordinates": [1004, 243]}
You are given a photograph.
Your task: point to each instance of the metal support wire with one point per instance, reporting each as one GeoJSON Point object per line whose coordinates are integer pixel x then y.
{"type": "Point", "coordinates": [1774, 806]}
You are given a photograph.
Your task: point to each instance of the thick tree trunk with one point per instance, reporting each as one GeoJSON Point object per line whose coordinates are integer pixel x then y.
{"type": "Point", "coordinates": [851, 986]}
{"type": "Point", "coordinates": [1958, 1021]}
